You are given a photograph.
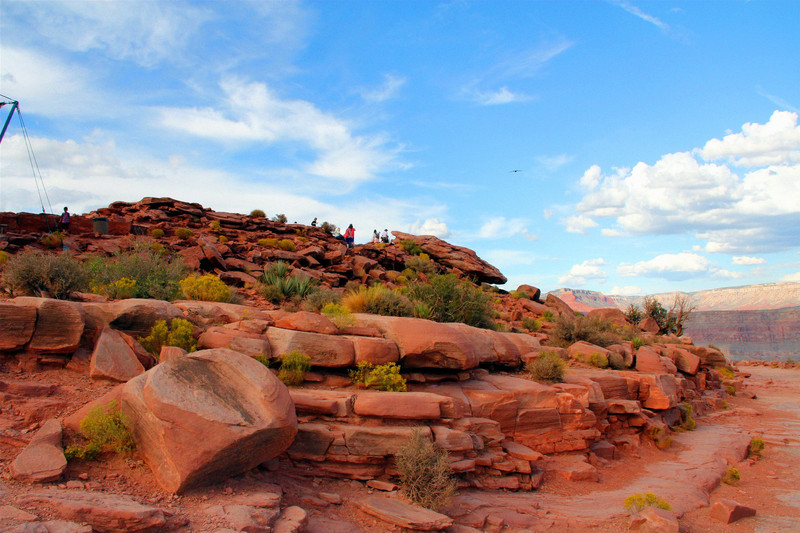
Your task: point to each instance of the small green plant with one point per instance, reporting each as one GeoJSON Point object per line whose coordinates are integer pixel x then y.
{"type": "Point", "coordinates": [421, 263]}
{"type": "Point", "coordinates": [214, 225]}
{"type": "Point", "coordinates": [208, 288]}
{"type": "Point", "coordinates": [519, 295]}
{"type": "Point", "coordinates": [453, 300]}
{"type": "Point", "coordinates": [548, 316]}
{"type": "Point", "coordinates": [531, 324]}
{"type": "Point", "coordinates": [286, 244]}
{"type": "Point", "coordinates": [339, 315]}
{"type": "Point", "coordinates": [120, 289]}
{"type": "Point", "coordinates": [184, 233]}
{"type": "Point", "coordinates": [731, 476]}
{"type": "Point", "coordinates": [156, 233]}
{"type": "Point", "coordinates": [106, 429]}
{"type": "Point", "coordinates": [277, 285]}
{"type": "Point", "coordinates": [725, 372]}
{"type": "Point", "coordinates": [378, 300]}
{"type": "Point", "coordinates": [3, 257]}
{"type": "Point", "coordinates": [51, 241]}
{"type": "Point", "coordinates": [756, 447]}
{"type": "Point", "coordinates": [634, 314]}
{"type": "Point", "coordinates": [636, 502]}
{"type": "Point", "coordinates": [599, 360]}
{"type": "Point", "coordinates": [268, 242]}
{"type": "Point", "coordinates": [222, 239]}
{"type": "Point", "coordinates": [593, 330]}
{"type": "Point", "coordinates": [422, 310]}
{"type": "Point", "coordinates": [327, 227]}
{"type": "Point", "coordinates": [638, 342]}
{"type": "Point", "coordinates": [659, 436]}
{"type": "Point", "coordinates": [687, 422]}
{"type": "Point", "coordinates": [317, 299]}
{"type": "Point", "coordinates": [294, 366]}
{"type": "Point", "coordinates": [425, 474]}
{"type": "Point", "coordinates": [548, 367]}
{"type": "Point", "coordinates": [280, 218]}
{"type": "Point", "coordinates": [40, 273]}
{"type": "Point", "coordinates": [263, 359]}
{"type": "Point", "coordinates": [258, 213]}
{"type": "Point", "coordinates": [384, 377]}
{"type": "Point", "coordinates": [180, 333]}
{"type": "Point", "coordinates": [730, 389]}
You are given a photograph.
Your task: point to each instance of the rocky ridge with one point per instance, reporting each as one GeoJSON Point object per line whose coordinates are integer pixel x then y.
{"type": "Point", "coordinates": [466, 393]}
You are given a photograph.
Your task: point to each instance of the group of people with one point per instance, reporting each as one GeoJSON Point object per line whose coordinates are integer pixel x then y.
{"type": "Point", "coordinates": [380, 237]}
{"type": "Point", "coordinates": [349, 236]}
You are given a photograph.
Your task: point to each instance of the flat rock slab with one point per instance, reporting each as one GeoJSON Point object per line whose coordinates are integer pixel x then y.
{"type": "Point", "coordinates": [51, 526]}
{"type": "Point", "coordinates": [404, 515]}
{"type": "Point", "coordinates": [729, 511]}
{"type": "Point", "coordinates": [43, 459]}
{"type": "Point", "coordinates": [106, 513]}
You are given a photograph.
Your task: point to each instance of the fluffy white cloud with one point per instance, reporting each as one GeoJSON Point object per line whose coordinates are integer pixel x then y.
{"type": "Point", "coordinates": [747, 260]}
{"type": "Point", "coordinates": [430, 226]}
{"type": "Point", "coordinates": [749, 214]}
{"type": "Point", "coordinates": [390, 87]}
{"type": "Point", "coordinates": [578, 275]}
{"type": "Point", "coordinates": [610, 232]}
{"type": "Point", "coordinates": [676, 267]}
{"type": "Point", "coordinates": [579, 224]}
{"type": "Point", "coordinates": [252, 112]}
{"type": "Point", "coordinates": [775, 143]}
{"type": "Point", "coordinates": [501, 227]}
{"type": "Point", "coordinates": [627, 290]}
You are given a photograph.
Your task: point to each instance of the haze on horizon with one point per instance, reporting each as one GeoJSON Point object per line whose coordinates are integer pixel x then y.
{"type": "Point", "coordinates": [618, 146]}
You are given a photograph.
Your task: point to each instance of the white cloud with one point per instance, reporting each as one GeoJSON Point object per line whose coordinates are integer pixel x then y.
{"type": "Point", "coordinates": [390, 87]}
{"type": "Point", "coordinates": [501, 227]}
{"type": "Point", "coordinates": [792, 277]}
{"type": "Point", "coordinates": [252, 113]}
{"type": "Point", "coordinates": [498, 97]}
{"type": "Point", "coordinates": [634, 10]}
{"type": "Point", "coordinates": [747, 214]}
{"type": "Point", "coordinates": [580, 274]}
{"type": "Point", "coordinates": [591, 178]}
{"type": "Point", "coordinates": [579, 224]}
{"type": "Point", "coordinates": [775, 143]}
{"type": "Point", "coordinates": [680, 266]}
{"type": "Point", "coordinates": [627, 290]}
{"type": "Point", "coordinates": [747, 260]}
{"type": "Point", "coordinates": [610, 232]}
{"type": "Point", "coordinates": [554, 162]}
{"type": "Point", "coordinates": [548, 213]}
{"type": "Point", "coordinates": [430, 226]}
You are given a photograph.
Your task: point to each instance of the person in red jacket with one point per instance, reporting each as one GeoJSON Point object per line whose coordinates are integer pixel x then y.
{"type": "Point", "coordinates": [350, 235]}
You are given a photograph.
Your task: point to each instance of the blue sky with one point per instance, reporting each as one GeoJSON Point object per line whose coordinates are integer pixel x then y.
{"type": "Point", "coordinates": [657, 143]}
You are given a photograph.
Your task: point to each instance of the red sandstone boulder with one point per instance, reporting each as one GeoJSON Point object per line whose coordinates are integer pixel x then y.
{"type": "Point", "coordinates": [649, 325]}
{"type": "Point", "coordinates": [305, 321]}
{"type": "Point", "coordinates": [583, 351]}
{"type": "Point", "coordinates": [729, 511]}
{"type": "Point", "coordinates": [324, 350]}
{"type": "Point", "coordinates": [648, 360]}
{"type": "Point", "coordinates": [531, 292]}
{"type": "Point", "coordinates": [426, 344]}
{"type": "Point", "coordinates": [170, 352]}
{"type": "Point", "coordinates": [59, 324]}
{"type": "Point", "coordinates": [612, 314]}
{"type": "Point", "coordinates": [374, 350]}
{"type": "Point", "coordinates": [529, 394]}
{"type": "Point", "coordinates": [559, 307]}
{"type": "Point", "coordinates": [401, 405]}
{"type": "Point", "coordinates": [42, 459]}
{"type": "Point", "coordinates": [684, 360]}
{"type": "Point", "coordinates": [113, 358]}
{"type": "Point", "coordinates": [201, 418]}
{"type": "Point", "coordinates": [18, 323]}
{"type": "Point", "coordinates": [487, 401]}
{"type": "Point", "coordinates": [379, 440]}
{"type": "Point", "coordinates": [251, 344]}
{"type": "Point", "coordinates": [136, 316]}
{"type": "Point", "coordinates": [708, 356]}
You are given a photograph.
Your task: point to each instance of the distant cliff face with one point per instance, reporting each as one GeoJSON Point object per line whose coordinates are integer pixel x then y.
{"type": "Point", "coordinates": [770, 334]}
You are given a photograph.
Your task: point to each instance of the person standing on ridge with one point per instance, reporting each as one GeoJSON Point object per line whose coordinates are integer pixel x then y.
{"type": "Point", "coordinates": [385, 236]}
{"type": "Point", "coordinates": [63, 222]}
{"type": "Point", "coordinates": [376, 237]}
{"type": "Point", "coordinates": [350, 235]}
{"type": "Point", "coordinates": [314, 223]}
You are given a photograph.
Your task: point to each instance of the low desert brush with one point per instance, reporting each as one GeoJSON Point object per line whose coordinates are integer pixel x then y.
{"type": "Point", "coordinates": [258, 213]}
{"type": "Point", "coordinates": [687, 422]}
{"type": "Point", "coordinates": [384, 377]}
{"type": "Point", "coordinates": [547, 315]}
{"type": "Point", "coordinates": [425, 474]}
{"type": "Point", "coordinates": [731, 476]}
{"type": "Point", "coordinates": [756, 447]}
{"type": "Point", "coordinates": [180, 333]}
{"type": "Point", "coordinates": [184, 233]}
{"type": "Point", "coordinates": [294, 366]}
{"type": "Point", "coordinates": [378, 300]}
{"type": "Point", "coordinates": [636, 502]}
{"type": "Point", "coordinates": [207, 288]}
{"type": "Point", "coordinates": [156, 233]}
{"type": "Point", "coordinates": [106, 429]}
{"type": "Point", "coordinates": [531, 324]}
{"type": "Point", "coordinates": [548, 367]}
{"type": "Point", "coordinates": [599, 360]}
{"type": "Point", "coordinates": [40, 273]}
{"type": "Point", "coordinates": [339, 315]}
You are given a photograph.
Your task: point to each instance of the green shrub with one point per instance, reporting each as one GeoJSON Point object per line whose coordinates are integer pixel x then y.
{"type": "Point", "coordinates": [687, 422]}
{"type": "Point", "coordinates": [547, 315]}
{"type": "Point", "coordinates": [294, 366]}
{"type": "Point", "coordinates": [222, 239]}
{"type": "Point", "coordinates": [258, 213]}
{"type": "Point", "coordinates": [725, 372]}
{"type": "Point", "coordinates": [40, 273]}
{"type": "Point", "coordinates": [214, 225]}
{"type": "Point", "coordinates": [637, 502]}
{"type": "Point", "coordinates": [339, 315]}
{"type": "Point", "coordinates": [599, 360]}
{"type": "Point", "coordinates": [180, 333]}
{"type": "Point", "coordinates": [106, 429]}
{"type": "Point", "coordinates": [208, 288]}
{"type": "Point", "coordinates": [421, 263]}
{"type": "Point", "coordinates": [184, 233]}
{"type": "Point", "coordinates": [410, 246]}
{"type": "Point", "coordinates": [51, 241]}
{"type": "Point", "coordinates": [156, 233]}
{"type": "Point", "coordinates": [122, 288]}
{"type": "Point", "coordinates": [659, 436]}
{"type": "Point", "coordinates": [593, 330]}
{"type": "Point", "coordinates": [423, 310]}
{"type": "Point", "coordinates": [756, 447]}
{"type": "Point", "coordinates": [316, 300]}
{"type": "Point", "coordinates": [616, 361]}
{"type": "Point", "coordinates": [548, 367]}
{"type": "Point", "coordinates": [269, 242]}
{"type": "Point", "coordinates": [3, 257]}
{"type": "Point", "coordinates": [277, 285]}
{"type": "Point", "coordinates": [157, 275]}
{"type": "Point", "coordinates": [384, 377]}
{"type": "Point", "coordinates": [638, 342]}
{"type": "Point", "coordinates": [263, 359]}
{"type": "Point", "coordinates": [286, 244]}
{"type": "Point", "coordinates": [731, 476]}
{"type": "Point", "coordinates": [327, 227]}
{"type": "Point", "coordinates": [531, 324]}
{"type": "Point", "coordinates": [634, 314]}
{"type": "Point", "coordinates": [378, 300]}
{"type": "Point", "coordinates": [453, 300]}
{"type": "Point", "coordinates": [280, 218]}
{"type": "Point", "coordinates": [425, 474]}
{"type": "Point", "coordinates": [730, 389]}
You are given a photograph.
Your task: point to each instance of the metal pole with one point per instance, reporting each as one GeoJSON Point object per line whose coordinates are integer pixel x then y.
{"type": "Point", "coordinates": [14, 106]}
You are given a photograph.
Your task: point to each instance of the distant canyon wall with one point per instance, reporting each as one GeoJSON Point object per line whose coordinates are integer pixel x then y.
{"type": "Point", "coordinates": [765, 334]}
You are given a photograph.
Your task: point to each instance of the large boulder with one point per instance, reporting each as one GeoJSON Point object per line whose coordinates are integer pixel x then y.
{"type": "Point", "coordinates": [43, 459]}
{"type": "Point", "coordinates": [245, 342]}
{"type": "Point", "coordinates": [59, 324]}
{"type": "Point", "coordinates": [113, 358]}
{"type": "Point", "coordinates": [612, 314]}
{"type": "Point", "coordinates": [455, 257]}
{"type": "Point", "coordinates": [324, 350]}
{"type": "Point", "coordinates": [18, 323]}
{"type": "Point", "coordinates": [426, 344]}
{"type": "Point", "coordinates": [202, 418]}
